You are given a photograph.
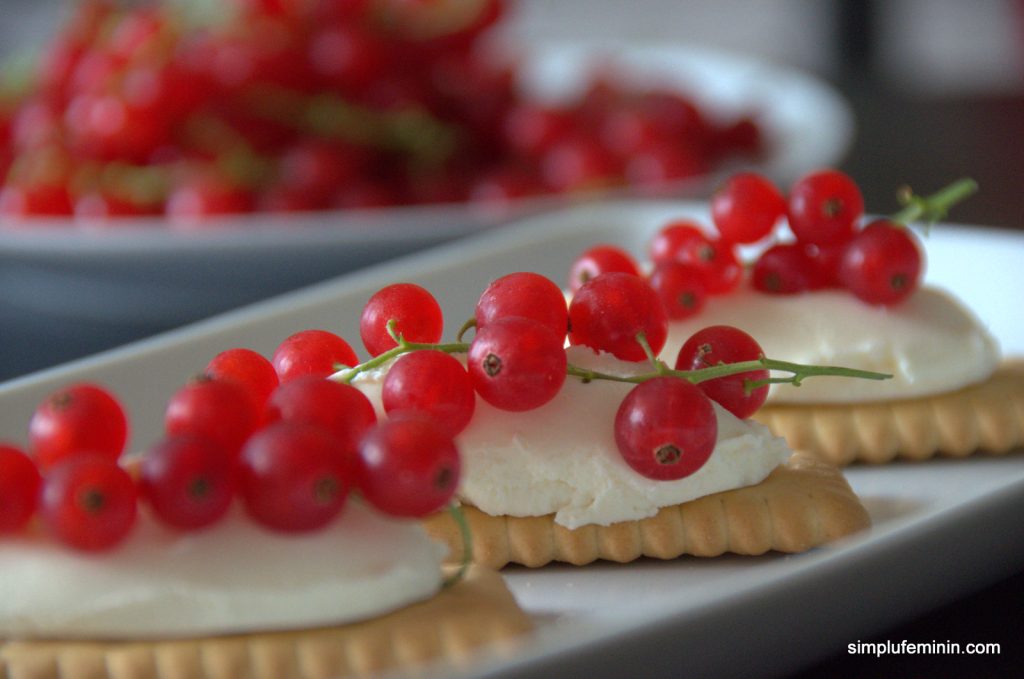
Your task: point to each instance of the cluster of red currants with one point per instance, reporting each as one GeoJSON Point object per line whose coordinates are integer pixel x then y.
{"type": "Point", "coordinates": [291, 443]}
{"type": "Point", "coordinates": [289, 105]}
{"type": "Point", "coordinates": [812, 240]}
{"type": "Point", "coordinates": [274, 433]}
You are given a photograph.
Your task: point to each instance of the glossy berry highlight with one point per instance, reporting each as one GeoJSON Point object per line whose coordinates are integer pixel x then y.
{"type": "Point", "coordinates": [665, 428]}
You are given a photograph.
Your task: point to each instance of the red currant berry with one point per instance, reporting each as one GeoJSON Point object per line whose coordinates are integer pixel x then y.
{"type": "Point", "coordinates": [189, 205]}
{"type": "Point", "coordinates": [19, 488]}
{"type": "Point", "coordinates": [188, 481]}
{"type": "Point", "coordinates": [532, 129]}
{"type": "Point", "coordinates": [249, 369]}
{"type": "Point", "coordinates": [826, 261]}
{"type": "Point", "coordinates": [88, 503]}
{"type": "Point", "coordinates": [680, 288]}
{"type": "Point", "coordinates": [679, 241]}
{"type": "Point", "coordinates": [81, 418]}
{"type": "Point", "coordinates": [610, 311]}
{"type": "Point", "coordinates": [785, 269]}
{"type": "Point", "coordinates": [882, 264]}
{"type": "Point", "coordinates": [433, 383]}
{"type": "Point", "coordinates": [718, 344]}
{"type": "Point", "coordinates": [416, 313]}
{"type": "Point", "coordinates": [218, 410]}
{"type": "Point", "coordinates": [686, 243]}
{"type": "Point", "coordinates": [339, 408]}
{"type": "Point", "coordinates": [516, 363]}
{"type": "Point", "coordinates": [598, 260]}
{"type": "Point", "coordinates": [578, 163]}
{"type": "Point", "coordinates": [294, 477]}
{"type": "Point", "coordinates": [312, 352]}
{"type": "Point", "coordinates": [666, 428]}
{"type": "Point", "coordinates": [525, 294]}
{"type": "Point", "coordinates": [746, 208]}
{"type": "Point", "coordinates": [409, 466]}
{"type": "Point", "coordinates": [824, 207]}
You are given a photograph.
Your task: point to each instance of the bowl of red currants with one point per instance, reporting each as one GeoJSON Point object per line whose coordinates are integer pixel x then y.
{"type": "Point", "coordinates": [161, 163]}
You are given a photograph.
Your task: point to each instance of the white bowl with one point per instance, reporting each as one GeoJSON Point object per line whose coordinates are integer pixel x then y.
{"type": "Point", "coordinates": [143, 275]}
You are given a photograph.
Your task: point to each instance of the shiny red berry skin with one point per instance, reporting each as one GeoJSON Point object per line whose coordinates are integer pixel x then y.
{"type": "Point", "coordinates": [249, 369]}
{"type": "Point", "coordinates": [81, 418]}
{"type": "Point", "coordinates": [294, 477]}
{"type": "Point", "coordinates": [433, 383]}
{"type": "Point", "coordinates": [417, 316]}
{"type": "Point", "coordinates": [824, 208]}
{"type": "Point", "coordinates": [610, 311]}
{"type": "Point", "coordinates": [746, 208]}
{"type": "Point", "coordinates": [600, 259]}
{"type": "Point", "coordinates": [679, 241]}
{"type": "Point", "coordinates": [312, 352]}
{"type": "Point", "coordinates": [883, 263]}
{"type": "Point", "coordinates": [785, 269]}
{"type": "Point", "coordinates": [525, 294]}
{"type": "Point", "coordinates": [516, 363]}
{"type": "Point", "coordinates": [409, 466]}
{"type": "Point", "coordinates": [725, 344]}
{"type": "Point", "coordinates": [188, 481]}
{"type": "Point", "coordinates": [826, 261]}
{"type": "Point", "coordinates": [665, 428]}
{"type": "Point", "coordinates": [88, 503]}
{"type": "Point", "coordinates": [686, 243]}
{"type": "Point", "coordinates": [19, 489]}
{"type": "Point", "coordinates": [218, 410]}
{"type": "Point", "coordinates": [339, 408]}
{"type": "Point", "coordinates": [681, 289]}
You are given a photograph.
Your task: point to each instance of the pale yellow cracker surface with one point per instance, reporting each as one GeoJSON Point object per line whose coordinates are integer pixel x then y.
{"type": "Point", "coordinates": [802, 504]}
{"type": "Point", "coordinates": [451, 627]}
{"type": "Point", "coordinates": [986, 417]}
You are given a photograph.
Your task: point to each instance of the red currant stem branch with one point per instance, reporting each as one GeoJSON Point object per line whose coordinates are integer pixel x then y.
{"type": "Point", "coordinates": [798, 372]}
{"type": "Point", "coordinates": [660, 367]}
{"type": "Point", "coordinates": [347, 375]}
{"type": "Point", "coordinates": [391, 327]}
{"type": "Point", "coordinates": [932, 208]}
{"type": "Point", "coordinates": [455, 510]}
{"type": "Point", "coordinates": [470, 323]}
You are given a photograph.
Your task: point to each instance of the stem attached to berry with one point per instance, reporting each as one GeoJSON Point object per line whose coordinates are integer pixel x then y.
{"type": "Point", "coordinates": [798, 371]}
{"type": "Point", "coordinates": [933, 208]}
{"type": "Point", "coordinates": [467, 545]}
{"type": "Point", "coordinates": [346, 375]}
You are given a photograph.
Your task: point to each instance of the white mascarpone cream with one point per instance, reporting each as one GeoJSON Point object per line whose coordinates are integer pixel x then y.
{"type": "Point", "coordinates": [561, 458]}
{"type": "Point", "coordinates": [232, 577]}
{"type": "Point", "coordinates": [930, 343]}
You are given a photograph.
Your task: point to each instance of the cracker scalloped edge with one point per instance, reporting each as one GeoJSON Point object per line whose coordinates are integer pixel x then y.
{"type": "Point", "coordinates": [802, 504]}
{"type": "Point", "coordinates": [986, 417]}
{"type": "Point", "coordinates": [453, 627]}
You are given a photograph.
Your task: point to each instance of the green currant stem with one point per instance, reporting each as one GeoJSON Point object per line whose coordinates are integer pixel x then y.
{"type": "Point", "coordinates": [466, 327]}
{"type": "Point", "coordinates": [467, 545]}
{"type": "Point", "coordinates": [403, 347]}
{"type": "Point", "coordinates": [934, 207]}
{"type": "Point", "coordinates": [798, 372]}
{"type": "Point", "coordinates": [660, 367]}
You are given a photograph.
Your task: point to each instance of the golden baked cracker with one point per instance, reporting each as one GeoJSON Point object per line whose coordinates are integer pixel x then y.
{"type": "Point", "coordinates": [802, 504]}
{"type": "Point", "coordinates": [478, 612]}
{"type": "Point", "coordinates": [986, 417]}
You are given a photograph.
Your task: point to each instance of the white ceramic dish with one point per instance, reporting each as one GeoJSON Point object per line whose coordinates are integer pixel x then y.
{"type": "Point", "coordinates": [143, 274]}
{"type": "Point", "coordinates": [941, 529]}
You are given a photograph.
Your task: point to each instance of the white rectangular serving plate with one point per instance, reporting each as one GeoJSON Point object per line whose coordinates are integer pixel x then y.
{"type": "Point", "coordinates": [941, 529]}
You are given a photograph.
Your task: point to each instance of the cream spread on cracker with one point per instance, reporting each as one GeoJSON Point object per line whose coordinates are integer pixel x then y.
{"type": "Point", "coordinates": [562, 459]}
{"type": "Point", "coordinates": [232, 577]}
{"type": "Point", "coordinates": [930, 343]}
